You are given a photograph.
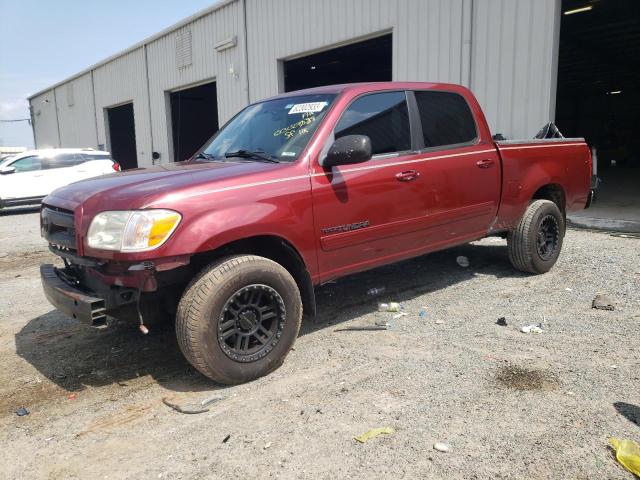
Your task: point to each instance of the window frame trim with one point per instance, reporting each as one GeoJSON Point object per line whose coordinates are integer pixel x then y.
{"type": "Point", "coordinates": [471, 143]}
{"type": "Point", "coordinates": [384, 156]}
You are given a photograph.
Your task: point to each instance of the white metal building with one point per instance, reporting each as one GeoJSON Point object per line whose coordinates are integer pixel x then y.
{"type": "Point", "coordinates": [174, 89]}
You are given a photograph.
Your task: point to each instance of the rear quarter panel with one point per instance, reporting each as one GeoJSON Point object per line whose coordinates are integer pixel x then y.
{"type": "Point", "coordinates": [528, 166]}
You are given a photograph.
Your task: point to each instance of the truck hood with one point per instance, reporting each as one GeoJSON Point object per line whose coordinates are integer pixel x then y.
{"type": "Point", "coordinates": [136, 188]}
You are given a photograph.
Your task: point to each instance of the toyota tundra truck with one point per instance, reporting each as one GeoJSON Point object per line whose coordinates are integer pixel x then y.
{"type": "Point", "coordinates": [292, 192]}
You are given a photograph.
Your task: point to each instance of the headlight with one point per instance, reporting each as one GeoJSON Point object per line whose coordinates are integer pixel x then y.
{"type": "Point", "coordinates": [132, 230]}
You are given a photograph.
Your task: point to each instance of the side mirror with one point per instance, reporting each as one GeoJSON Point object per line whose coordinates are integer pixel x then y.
{"type": "Point", "coordinates": [348, 150]}
{"type": "Point", "coordinates": [7, 170]}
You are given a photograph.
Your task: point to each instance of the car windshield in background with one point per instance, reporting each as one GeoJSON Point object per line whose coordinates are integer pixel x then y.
{"type": "Point", "coordinates": [7, 159]}
{"type": "Point", "coordinates": [274, 130]}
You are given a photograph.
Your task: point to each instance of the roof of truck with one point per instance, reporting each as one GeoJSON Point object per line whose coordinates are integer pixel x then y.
{"type": "Point", "coordinates": [373, 86]}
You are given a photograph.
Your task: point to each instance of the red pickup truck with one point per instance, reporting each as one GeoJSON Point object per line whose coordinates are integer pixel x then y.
{"type": "Point", "coordinates": [292, 192]}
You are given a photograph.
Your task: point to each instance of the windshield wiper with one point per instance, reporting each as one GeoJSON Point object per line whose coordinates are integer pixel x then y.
{"type": "Point", "coordinates": [257, 155]}
{"type": "Point", "coordinates": [205, 156]}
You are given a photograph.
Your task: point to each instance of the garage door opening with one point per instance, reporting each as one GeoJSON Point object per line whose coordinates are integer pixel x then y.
{"type": "Point", "coordinates": [122, 136]}
{"type": "Point", "coordinates": [598, 97]}
{"type": "Point", "coordinates": [366, 61]}
{"type": "Point", "coordinates": [194, 119]}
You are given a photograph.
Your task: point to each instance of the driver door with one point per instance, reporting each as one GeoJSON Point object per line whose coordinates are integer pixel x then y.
{"type": "Point", "coordinates": [369, 213]}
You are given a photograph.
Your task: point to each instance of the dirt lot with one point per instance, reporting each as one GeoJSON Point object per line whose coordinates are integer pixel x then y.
{"type": "Point", "coordinates": [509, 404]}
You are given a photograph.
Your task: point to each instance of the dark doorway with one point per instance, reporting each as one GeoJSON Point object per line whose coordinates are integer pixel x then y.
{"type": "Point", "coordinates": [194, 119]}
{"type": "Point", "coordinates": [122, 135]}
{"type": "Point", "coordinates": [598, 94]}
{"type": "Point", "coordinates": [366, 61]}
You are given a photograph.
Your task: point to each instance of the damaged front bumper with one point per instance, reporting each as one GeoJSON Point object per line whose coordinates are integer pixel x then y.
{"type": "Point", "coordinates": [89, 294]}
{"type": "Point", "coordinates": [85, 307]}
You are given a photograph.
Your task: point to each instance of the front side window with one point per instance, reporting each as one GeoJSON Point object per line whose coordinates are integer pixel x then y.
{"type": "Point", "coordinates": [383, 117]}
{"type": "Point", "coordinates": [27, 164]}
{"type": "Point", "coordinates": [279, 129]}
{"type": "Point", "coordinates": [446, 119]}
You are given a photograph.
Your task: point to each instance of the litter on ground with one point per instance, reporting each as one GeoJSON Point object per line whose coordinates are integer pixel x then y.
{"type": "Point", "coordinates": [374, 432]}
{"type": "Point", "coordinates": [376, 291]}
{"type": "Point", "coordinates": [463, 261]}
{"type": "Point", "coordinates": [365, 328]}
{"type": "Point", "coordinates": [532, 329]}
{"type": "Point", "coordinates": [502, 321]}
{"type": "Point", "coordinates": [441, 447]}
{"type": "Point", "coordinates": [602, 302]}
{"type": "Point", "coordinates": [389, 307]}
{"type": "Point", "coordinates": [188, 411]}
{"type": "Point", "coordinates": [627, 453]}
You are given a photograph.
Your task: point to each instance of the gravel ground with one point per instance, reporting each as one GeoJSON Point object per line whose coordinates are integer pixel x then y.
{"type": "Point", "coordinates": [508, 404]}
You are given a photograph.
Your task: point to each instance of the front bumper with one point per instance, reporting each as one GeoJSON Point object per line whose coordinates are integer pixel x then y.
{"type": "Point", "coordinates": [82, 306]}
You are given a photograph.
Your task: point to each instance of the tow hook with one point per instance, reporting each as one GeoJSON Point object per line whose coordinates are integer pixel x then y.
{"type": "Point", "coordinates": [147, 267]}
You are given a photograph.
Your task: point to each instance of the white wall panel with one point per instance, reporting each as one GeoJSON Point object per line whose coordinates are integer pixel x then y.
{"type": "Point", "coordinates": [120, 81]}
{"type": "Point", "coordinates": [427, 35]}
{"type": "Point", "coordinates": [45, 124]}
{"type": "Point", "coordinates": [76, 113]}
{"type": "Point", "coordinates": [514, 63]}
{"type": "Point", "coordinates": [205, 65]}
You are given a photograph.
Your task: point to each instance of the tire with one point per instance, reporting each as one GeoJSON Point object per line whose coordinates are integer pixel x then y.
{"type": "Point", "coordinates": [535, 244]}
{"type": "Point", "coordinates": [240, 294]}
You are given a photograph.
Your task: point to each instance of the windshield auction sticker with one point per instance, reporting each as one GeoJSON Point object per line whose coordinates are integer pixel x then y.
{"type": "Point", "coordinates": [312, 107]}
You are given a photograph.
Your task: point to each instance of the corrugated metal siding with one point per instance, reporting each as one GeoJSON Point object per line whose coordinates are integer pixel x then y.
{"type": "Point", "coordinates": [505, 50]}
{"type": "Point", "coordinates": [76, 113]}
{"type": "Point", "coordinates": [513, 70]}
{"type": "Point", "coordinates": [166, 75]}
{"type": "Point", "coordinates": [121, 81]}
{"type": "Point", "coordinates": [427, 35]}
{"type": "Point", "coordinates": [45, 124]}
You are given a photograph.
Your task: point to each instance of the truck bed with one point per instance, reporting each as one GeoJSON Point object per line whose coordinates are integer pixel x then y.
{"type": "Point", "coordinates": [528, 165]}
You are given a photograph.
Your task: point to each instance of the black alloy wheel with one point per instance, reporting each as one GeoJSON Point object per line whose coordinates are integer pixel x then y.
{"type": "Point", "coordinates": [251, 323]}
{"type": "Point", "coordinates": [547, 237]}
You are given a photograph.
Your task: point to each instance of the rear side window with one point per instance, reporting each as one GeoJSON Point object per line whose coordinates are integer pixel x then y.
{"type": "Point", "coordinates": [95, 156]}
{"type": "Point", "coordinates": [446, 119]}
{"type": "Point", "coordinates": [64, 160]}
{"type": "Point", "coordinates": [383, 117]}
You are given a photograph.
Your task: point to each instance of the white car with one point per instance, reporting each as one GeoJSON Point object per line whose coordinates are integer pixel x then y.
{"type": "Point", "coordinates": [28, 177]}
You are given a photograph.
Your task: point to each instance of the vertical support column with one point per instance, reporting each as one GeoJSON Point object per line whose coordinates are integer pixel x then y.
{"type": "Point", "coordinates": [246, 50]}
{"type": "Point", "coordinates": [148, 92]}
{"type": "Point", "coordinates": [557, 19]}
{"type": "Point", "coordinates": [55, 106]}
{"type": "Point", "coordinates": [95, 113]}
{"type": "Point", "coordinates": [466, 66]}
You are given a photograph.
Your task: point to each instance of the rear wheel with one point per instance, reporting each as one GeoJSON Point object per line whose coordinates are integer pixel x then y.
{"type": "Point", "coordinates": [238, 319]}
{"type": "Point", "coordinates": [535, 244]}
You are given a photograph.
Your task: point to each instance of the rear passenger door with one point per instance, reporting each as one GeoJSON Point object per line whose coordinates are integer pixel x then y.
{"type": "Point", "coordinates": [461, 174]}
{"type": "Point", "coordinates": [369, 213]}
{"type": "Point", "coordinates": [63, 169]}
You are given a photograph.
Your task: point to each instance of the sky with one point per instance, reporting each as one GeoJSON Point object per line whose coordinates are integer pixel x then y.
{"type": "Point", "coordinates": [45, 41]}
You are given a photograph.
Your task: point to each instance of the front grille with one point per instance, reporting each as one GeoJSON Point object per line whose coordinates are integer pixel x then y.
{"type": "Point", "coordinates": [58, 229]}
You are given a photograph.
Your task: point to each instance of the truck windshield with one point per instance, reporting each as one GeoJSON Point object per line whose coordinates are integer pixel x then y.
{"type": "Point", "coordinates": [277, 129]}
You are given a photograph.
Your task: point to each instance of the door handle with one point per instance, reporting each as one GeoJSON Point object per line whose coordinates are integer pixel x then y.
{"type": "Point", "coordinates": [486, 163]}
{"type": "Point", "coordinates": [407, 175]}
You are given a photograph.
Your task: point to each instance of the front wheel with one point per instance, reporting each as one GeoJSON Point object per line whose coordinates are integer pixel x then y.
{"type": "Point", "coordinates": [239, 318]}
{"type": "Point", "coordinates": [535, 244]}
